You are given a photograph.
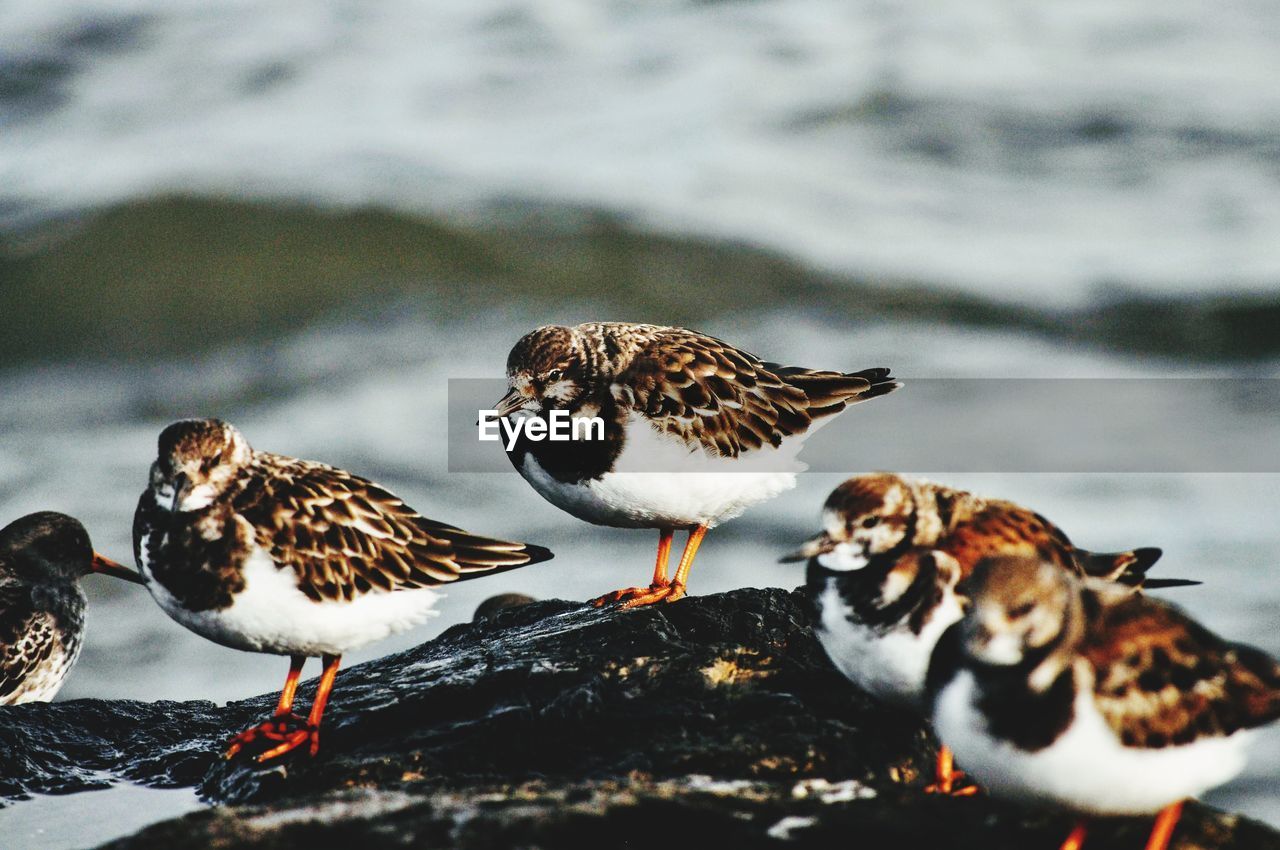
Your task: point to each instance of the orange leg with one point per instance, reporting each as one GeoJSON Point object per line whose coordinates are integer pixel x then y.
{"type": "Point", "coordinates": [310, 732]}
{"type": "Point", "coordinates": [947, 777]}
{"type": "Point", "coordinates": [675, 589]}
{"type": "Point", "coordinates": [664, 557]}
{"type": "Point", "coordinates": [287, 729]}
{"type": "Point", "coordinates": [1162, 832]}
{"type": "Point", "coordinates": [290, 684]}
{"type": "Point", "coordinates": [283, 715]}
{"type": "Point", "coordinates": [659, 574]}
{"type": "Point", "coordinates": [1076, 839]}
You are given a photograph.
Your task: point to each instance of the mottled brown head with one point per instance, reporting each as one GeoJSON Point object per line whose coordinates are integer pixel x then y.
{"type": "Point", "coordinates": [551, 368]}
{"type": "Point", "coordinates": [198, 460]}
{"type": "Point", "coordinates": [866, 516]}
{"type": "Point", "coordinates": [1019, 606]}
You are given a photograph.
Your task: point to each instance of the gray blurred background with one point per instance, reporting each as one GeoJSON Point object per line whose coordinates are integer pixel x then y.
{"type": "Point", "coordinates": [305, 218]}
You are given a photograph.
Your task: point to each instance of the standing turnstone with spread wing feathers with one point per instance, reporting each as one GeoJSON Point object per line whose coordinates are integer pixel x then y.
{"type": "Point", "coordinates": [267, 553]}
{"type": "Point", "coordinates": [695, 430]}
{"type": "Point", "coordinates": [1075, 693]}
{"type": "Point", "coordinates": [883, 575]}
{"type": "Point", "coordinates": [42, 557]}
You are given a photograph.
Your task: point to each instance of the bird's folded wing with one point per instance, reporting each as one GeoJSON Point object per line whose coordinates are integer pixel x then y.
{"type": "Point", "coordinates": [727, 401]}
{"type": "Point", "coordinates": [27, 637]}
{"type": "Point", "coordinates": [344, 536]}
{"type": "Point", "coordinates": [1162, 679]}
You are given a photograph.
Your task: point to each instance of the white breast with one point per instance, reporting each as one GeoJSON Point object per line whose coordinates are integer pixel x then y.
{"type": "Point", "coordinates": [272, 615]}
{"type": "Point", "coordinates": [658, 482]}
{"type": "Point", "coordinates": [889, 665]}
{"type": "Point", "coordinates": [1087, 768]}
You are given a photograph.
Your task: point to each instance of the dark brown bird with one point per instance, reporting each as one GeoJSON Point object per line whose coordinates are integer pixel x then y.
{"type": "Point", "coordinates": [43, 556]}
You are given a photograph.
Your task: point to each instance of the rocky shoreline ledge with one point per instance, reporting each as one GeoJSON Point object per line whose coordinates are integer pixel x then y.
{"type": "Point", "coordinates": [556, 725]}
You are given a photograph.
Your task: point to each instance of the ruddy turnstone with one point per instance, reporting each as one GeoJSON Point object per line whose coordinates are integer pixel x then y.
{"type": "Point", "coordinates": [267, 553]}
{"type": "Point", "coordinates": [695, 430]}
{"type": "Point", "coordinates": [42, 558]}
{"type": "Point", "coordinates": [1073, 692]}
{"type": "Point", "coordinates": [883, 575]}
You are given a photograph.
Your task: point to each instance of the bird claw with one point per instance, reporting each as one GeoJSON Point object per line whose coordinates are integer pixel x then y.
{"type": "Point", "coordinates": [286, 731]}
{"type": "Point", "coordinates": [627, 593]}
{"type": "Point", "coordinates": [635, 597]}
{"type": "Point", "coordinates": [951, 786]}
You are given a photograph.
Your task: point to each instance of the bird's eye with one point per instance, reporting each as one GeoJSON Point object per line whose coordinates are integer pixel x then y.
{"type": "Point", "coordinates": [210, 462]}
{"type": "Point", "coordinates": [871, 522]}
{"type": "Point", "coordinates": [554, 375]}
{"type": "Point", "coordinates": [1020, 611]}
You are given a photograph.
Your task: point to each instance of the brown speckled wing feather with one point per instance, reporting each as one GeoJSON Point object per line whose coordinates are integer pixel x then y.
{"type": "Point", "coordinates": [999, 529]}
{"type": "Point", "coordinates": [344, 535]}
{"type": "Point", "coordinates": [1162, 679]}
{"type": "Point", "coordinates": [27, 637]}
{"type": "Point", "coordinates": [709, 393]}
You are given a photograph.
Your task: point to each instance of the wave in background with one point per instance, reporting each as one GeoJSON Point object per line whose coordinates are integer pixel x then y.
{"type": "Point", "coordinates": [1028, 154]}
{"type": "Point", "coordinates": [179, 274]}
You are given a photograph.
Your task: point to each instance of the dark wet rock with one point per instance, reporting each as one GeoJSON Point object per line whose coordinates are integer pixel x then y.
{"type": "Point", "coordinates": [495, 605]}
{"type": "Point", "coordinates": [648, 813]}
{"type": "Point", "coordinates": [730, 685]}
{"type": "Point", "coordinates": [552, 724]}
{"type": "Point", "coordinates": [85, 744]}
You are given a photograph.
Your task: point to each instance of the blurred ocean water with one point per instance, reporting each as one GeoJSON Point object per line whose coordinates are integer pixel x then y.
{"type": "Point", "coordinates": [1019, 151]}
{"type": "Point", "coordinates": [307, 219]}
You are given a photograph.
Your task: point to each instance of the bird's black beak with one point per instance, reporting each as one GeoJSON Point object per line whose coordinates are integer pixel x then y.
{"type": "Point", "coordinates": [812, 548]}
{"type": "Point", "coordinates": [107, 567]}
{"type": "Point", "coordinates": [180, 487]}
{"type": "Point", "coordinates": [510, 403]}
